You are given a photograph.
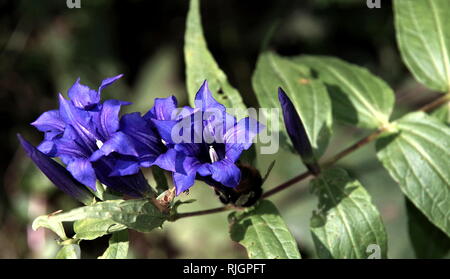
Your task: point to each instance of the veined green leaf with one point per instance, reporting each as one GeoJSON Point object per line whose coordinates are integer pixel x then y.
{"type": "Point", "coordinates": [70, 251]}
{"type": "Point", "coordinates": [358, 97]}
{"type": "Point", "coordinates": [262, 231]}
{"type": "Point", "coordinates": [118, 246]}
{"type": "Point", "coordinates": [89, 228]}
{"type": "Point", "coordinates": [428, 241]}
{"type": "Point", "coordinates": [443, 113]}
{"type": "Point", "coordinates": [418, 158]}
{"type": "Point", "coordinates": [347, 225]}
{"type": "Point", "coordinates": [138, 214]}
{"type": "Point", "coordinates": [308, 96]}
{"type": "Point", "coordinates": [423, 35]}
{"type": "Point", "coordinates": [200, 65]}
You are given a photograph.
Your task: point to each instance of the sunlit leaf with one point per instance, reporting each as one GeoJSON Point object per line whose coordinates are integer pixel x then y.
{"type": "Point", "coordinates": [418, 158]}
{"type": "Point", "coordinates": [118, 246]}
{"type": "Point", "coordinates": [358, 97]}
{"type": "Point", "coordinates": [346, 225]}
{"type": "Point", "coordinates": [309, 96]}
{"type": "Point", "coordinates": [200, 64]}
{"type": "Point", "coordinates": [423, 35]}
{"type": "Point", "coordinates": [262, 231]}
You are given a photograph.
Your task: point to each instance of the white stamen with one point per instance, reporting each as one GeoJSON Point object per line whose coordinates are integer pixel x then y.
{"type": "Point", "coordinates": [164, 142]}
{"type": "Point", "coordinates": [99, 143]}
{"type": "Point", "coordinates": [213, 154]}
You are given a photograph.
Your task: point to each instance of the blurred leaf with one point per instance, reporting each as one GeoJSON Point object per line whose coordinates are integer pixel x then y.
{"type": "Point", "coordinates": [200, 65]}
{"type": "Point", "coordinates": [89, 228]}
{"type": "Point", "coordinates": [443, 113]}
{"type": "Point", "coordinates": [138, 214]}
{"type": "Point", "coordinates": [428, 241]}
{"type": "Point", "coordinates": [418, 158]}
{"type": "Point", "coordinates": [347, 225]}
{"type": "Point", "coordinates": [262, 231]}
{"type": "Point", "coordinates": [70, 251]}
{"type": "Point", "coordinates": [160, 179]}
{"type": "Point", "coordinates": [423, 35]}
{"type": "Point", "coordinates": [118, 246]}
{"type": "Point", "coordinates": [358, 97]}
{"type": "Point", "coordinates": [308, 96]}
{"type": "Point", "coordinates": [157, 79]}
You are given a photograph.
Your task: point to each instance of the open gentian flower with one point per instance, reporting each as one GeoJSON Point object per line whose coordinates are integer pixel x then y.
{"type": "Point", "coordinates": [211, 141]}
{"type": "Point", "coordinates": [57, 173]}
{"type": "Point", "coordinates": [89, 138]}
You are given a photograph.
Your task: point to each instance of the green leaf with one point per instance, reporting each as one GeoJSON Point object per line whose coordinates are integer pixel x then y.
{"type": "Point", "coordinates": [428, 241]}
{"type": "Point", "coordinates": [347, 225]}
{"type": "Point", "coordinates": [423, 35]}
{"type": "Point", "coordinates": [138, 214]}
{"type": "Point", "coordinates": [45, 222]}
{"type": "Point", "coordinates": [89, 228]}
{"type": "Point", "coordinates": [262, 231]}
{"type": "Point", "coordinates": [308, 96]}
{"type": "Point", "coordinates": [442, 113]}
{"type": "Point", "coordinates": [118, 246]}
{"type": "Point", "coordinates": [200, 65]}
{"type": "Point", "coordinates": [358, 97]}
{"type": "Point", "coordinates": [70, 251]}
{"type": "Point", "coordinates": [418, 158]}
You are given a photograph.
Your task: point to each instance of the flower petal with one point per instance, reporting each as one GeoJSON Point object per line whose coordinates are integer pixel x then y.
{"type": "Point", "coordinates": [125, 167]}
{"type": "Point", "coordinates": [83, 171]}
{"type": "Point", "coordinates": [240, 137]}
{"type": "Point", "coordinates": [205, 100]}
{"type": "Point", "coordinates": [108, 119]}
{"type": "Point", "coordinates": [118, 142]}
{"type": "Point", "coordinates": [82, 96]}
{"type": "Point", "coordinates": [225, 172]}
{"type": "Point", "coordinates": [183, 182]}
{"type": "Point", "coordinates": [49, 121]}
{"type": "Point", "coordinates": [108, 81]}
{"type": "Point", "coordinates": [57, 173]}
{"type": "Point", "coordinates": [162, 109]}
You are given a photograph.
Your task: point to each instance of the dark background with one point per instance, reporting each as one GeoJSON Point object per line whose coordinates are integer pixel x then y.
{"type": "Point", "coordinates": [45, 46]}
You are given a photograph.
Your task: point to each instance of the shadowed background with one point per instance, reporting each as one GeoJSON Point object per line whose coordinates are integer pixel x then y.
{"type": "Point", "coordinates": [46, 46]}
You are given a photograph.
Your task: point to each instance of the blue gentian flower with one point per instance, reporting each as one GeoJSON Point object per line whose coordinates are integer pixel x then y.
{"type": "Point", "coordinates": [296, 131]}
{"type": "Point", "coordinates": [57, 173]}
{"type": "Point", "coordinates": [215, 143]}
{"type": "Point", "coordinates": [94, 144]}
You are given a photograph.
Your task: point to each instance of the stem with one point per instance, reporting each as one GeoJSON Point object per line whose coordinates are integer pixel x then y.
{"type": "Point", "coordinates": [286, 184]}
{"type": "Point", "coordinates": [373, 136]}
{"type": "Point", "coordinates": [353, 147]}
{"type": "Point", "coordinates": [436, 103]}
{"type": "Point", "coordinates": [201, 212]}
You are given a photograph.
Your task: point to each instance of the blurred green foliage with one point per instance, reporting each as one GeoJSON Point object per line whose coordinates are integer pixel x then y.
{"type": "Point", "coordinates": [45, 46]}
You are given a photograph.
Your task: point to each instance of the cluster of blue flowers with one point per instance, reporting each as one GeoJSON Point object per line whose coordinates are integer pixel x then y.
{"type": "Point", "coordinates": [95, 143]}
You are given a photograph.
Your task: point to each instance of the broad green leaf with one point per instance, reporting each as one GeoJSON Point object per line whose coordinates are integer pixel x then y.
{"type": "Point", "coordinates": [358, 97]}
{"type": "Point", "coordinates": [418, 158]}
{"type": "Point", "coordinates": [262, 231]}
{"type": "Point", "coordinates": [200, 65]}
{"type": "Point", "coordinates": [118, 246]}
{"type": "Point", "coordinates": [443, 113]}
{"type": "Point", "coordinates": [89, 228]}
{"type": "Point", "coordinates": [428, 241]}
{"type": "Point", "coordinates": [70, 251]}
{"type": "Point", "coordinates": [346, 225]}
{"type": "Point", "coordinates": [45, 222]}
{"type": "Point", "coordinates": [138, 214]}
{"type": "Point", "coordinates": [423, 35]}
{"type": "Point", "coordinates": [308, 96]}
